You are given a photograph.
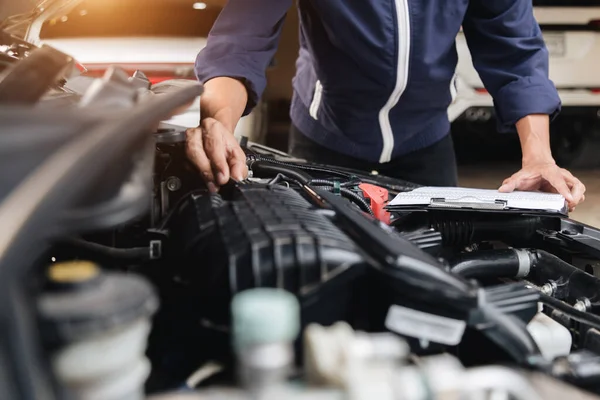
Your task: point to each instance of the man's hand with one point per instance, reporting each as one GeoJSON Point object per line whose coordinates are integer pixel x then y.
{"type": "Point", "coordinates": [216, 153]}
{"type": "Point", "coordinates": [212, 146]}
{"type": "Point", "coordinates": [540, 171]}
{"type": "Point", "coordinates": [547, 177]}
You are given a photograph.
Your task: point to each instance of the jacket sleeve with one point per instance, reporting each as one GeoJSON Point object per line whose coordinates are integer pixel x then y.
{"type": "Point", "coordinates": [510, 55]}
{"type": "Point", "coordinates": [242, 43]}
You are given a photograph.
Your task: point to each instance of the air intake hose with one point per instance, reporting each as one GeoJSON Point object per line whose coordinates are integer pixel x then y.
{"type": "Point", "coordinates": [504, 263]}
{"type": "Point", "coordinates": [462, 230]}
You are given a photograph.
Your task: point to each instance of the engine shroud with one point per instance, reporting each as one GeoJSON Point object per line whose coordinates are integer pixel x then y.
{"type": "Point", "coordinates": [262, 236]}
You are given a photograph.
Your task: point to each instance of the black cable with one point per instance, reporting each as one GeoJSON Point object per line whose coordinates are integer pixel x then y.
{"type": "Point", "coordinates": [133, 253]}
{"type": "Point", "coordinates": [273, 169]}
{"type": "Point", "coordinates": [326, 182]}
{"type": "Point", "coordinates": [175, 208]}
{"type": "Point", "coordinates": [580, 316]}
{"type": "Point", "coordinates": [350, 195]}
{"type": "Point", "coordinates": [300, 166]}
{"type": "Point", "coordinates": [276, 180]}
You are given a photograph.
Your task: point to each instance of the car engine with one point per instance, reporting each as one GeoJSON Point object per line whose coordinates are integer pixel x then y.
{"type": "Point", "coordinates": [123, 277]}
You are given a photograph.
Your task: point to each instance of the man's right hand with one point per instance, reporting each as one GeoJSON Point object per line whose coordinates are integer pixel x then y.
{"type": "Point", "coordinates": [212, 146]}
{"type": "Point", "coordinates": [216, 153]}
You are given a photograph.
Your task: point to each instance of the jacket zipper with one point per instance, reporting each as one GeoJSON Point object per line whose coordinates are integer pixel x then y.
{"type": "Point", "coordinates": [316, 101]}
{"type": "Point", "coordinates": [403, 23]}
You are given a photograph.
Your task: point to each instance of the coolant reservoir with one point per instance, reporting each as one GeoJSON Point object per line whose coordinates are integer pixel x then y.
{"type": "Point", "coordinates": [99, 324]}
{"type": "Point", "coordinates": [265, 323]}
{"type": "Point", "coordinates": [553, 339]}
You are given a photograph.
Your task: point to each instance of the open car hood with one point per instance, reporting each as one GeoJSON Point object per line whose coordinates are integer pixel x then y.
{"type": "Point", "coordinates": [28, 24]}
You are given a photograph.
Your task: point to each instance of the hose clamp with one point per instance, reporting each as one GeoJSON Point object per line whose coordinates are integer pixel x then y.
{"type": "Point", "coordinates": [524, 263]}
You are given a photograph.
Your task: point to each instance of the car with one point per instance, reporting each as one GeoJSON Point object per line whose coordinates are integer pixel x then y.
{"type": "Point", "coordinates": [571, 30]}
{"type": "Point", "coordinates": [122, 276]}
{"type": "Point", "coordinates": [160, 37]}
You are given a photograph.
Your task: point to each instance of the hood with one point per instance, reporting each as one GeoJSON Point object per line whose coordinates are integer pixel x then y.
{"type": "Point", "coordinates": [31, 15]}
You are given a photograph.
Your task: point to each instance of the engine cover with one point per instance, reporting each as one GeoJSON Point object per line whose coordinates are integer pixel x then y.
{"type": "Point", "coordinates": [262, 236]}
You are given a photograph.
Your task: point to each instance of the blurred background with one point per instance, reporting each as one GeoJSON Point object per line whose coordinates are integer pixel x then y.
{"type": "Point", "coordinates": [162, 38]}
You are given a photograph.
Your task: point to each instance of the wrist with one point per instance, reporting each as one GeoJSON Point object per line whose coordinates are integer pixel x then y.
{"type": "Point", "coordinates": [534, 135]}
{"type": "Point", "coordinates": [224, 99]}
{"type": "Point", "coordinates": [538, 158]}
{"type": "Point", "coordinates": [223, 115]}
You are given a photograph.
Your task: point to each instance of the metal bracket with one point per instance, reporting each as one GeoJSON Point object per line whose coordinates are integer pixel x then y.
{"type": "Point", "coordinates": [474, 204]}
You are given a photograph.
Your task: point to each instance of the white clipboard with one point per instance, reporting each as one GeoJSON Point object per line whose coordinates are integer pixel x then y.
{"type": "Point", "coordinates": [481, 199]}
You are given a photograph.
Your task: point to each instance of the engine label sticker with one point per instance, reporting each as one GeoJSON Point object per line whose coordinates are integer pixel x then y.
{"type": "Point", "coordinates": [425, 326]}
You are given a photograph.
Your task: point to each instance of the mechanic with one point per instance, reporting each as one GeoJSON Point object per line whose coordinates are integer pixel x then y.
{"type": "Point", "coordinates": [373, 83]}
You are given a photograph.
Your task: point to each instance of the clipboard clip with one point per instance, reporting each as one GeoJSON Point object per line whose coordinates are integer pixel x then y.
{"type": "Point", "coordinates": [468, 202]}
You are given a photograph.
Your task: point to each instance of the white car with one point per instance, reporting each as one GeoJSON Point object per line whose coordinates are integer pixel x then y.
{"type": "Point", "coordinates": [159, 37]}
{"type": "Point", "coordinates": [571, 30]}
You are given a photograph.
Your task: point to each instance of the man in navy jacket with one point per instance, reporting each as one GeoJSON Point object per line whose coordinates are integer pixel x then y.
{"type": "Point", "coordinates": [373, 85]}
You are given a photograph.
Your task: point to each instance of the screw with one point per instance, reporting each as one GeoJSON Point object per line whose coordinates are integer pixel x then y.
{"type": "Point", "coordinates": [173, 183]}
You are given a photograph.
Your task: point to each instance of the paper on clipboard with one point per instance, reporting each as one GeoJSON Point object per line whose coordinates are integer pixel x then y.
{"type": "Point", "coordinates": [452, 197]}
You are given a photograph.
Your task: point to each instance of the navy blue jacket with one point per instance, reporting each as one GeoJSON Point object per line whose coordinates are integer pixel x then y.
{"type": "Point", "coordinates": [373, 76]}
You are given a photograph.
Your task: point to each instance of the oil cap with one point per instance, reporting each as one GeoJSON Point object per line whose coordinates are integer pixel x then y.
{"type": "Point", "coordinates": [81, 300]}
{"type": "Point", "coordinates": [262, 316]}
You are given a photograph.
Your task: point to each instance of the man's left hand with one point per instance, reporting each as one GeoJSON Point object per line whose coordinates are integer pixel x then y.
{"type": "Point", "coordinates": [547, 177]}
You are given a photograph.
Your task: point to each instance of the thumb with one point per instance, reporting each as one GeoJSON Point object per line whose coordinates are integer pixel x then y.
{"type": "Point", "coordinates": [508, 186]}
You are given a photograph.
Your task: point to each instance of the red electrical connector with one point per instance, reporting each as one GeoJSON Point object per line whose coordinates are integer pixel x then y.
{"type": "Point", "coordinates": [379, 198]}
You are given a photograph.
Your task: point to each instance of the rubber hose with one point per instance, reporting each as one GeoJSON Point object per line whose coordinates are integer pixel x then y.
{"type": "Point", "coordinates": [504, 263]}
{"type": "Point", "coordinates": [272, 169]}
{"type": "Point", "coordinates": [466, 230]}
{"type": "Point", "coordinates": [541, 257]}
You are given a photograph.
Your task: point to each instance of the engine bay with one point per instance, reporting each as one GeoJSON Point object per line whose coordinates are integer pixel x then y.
{"type": "Point", "coordinates": [124, 276]}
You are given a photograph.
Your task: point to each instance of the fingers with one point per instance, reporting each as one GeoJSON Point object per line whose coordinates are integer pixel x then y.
{"type": "Point", "coordinates": [214, 146]}
{"type": "Point", "coordinates": [509, 184]}
{"type": "Point", "coordinates": [196, 154]}
{"type": "Point", "coordinates": [518, 181]}
{"type": "Point", "coordinates": [557, 180]}
{"type": "Point", "coordinates": [577, 188]}
{"type": "Point", "coordinates": [547, 179]}
{"type": "Point", "coordinates": [216, 153]}
{"type": "Point", "coordinates": [237, 163]}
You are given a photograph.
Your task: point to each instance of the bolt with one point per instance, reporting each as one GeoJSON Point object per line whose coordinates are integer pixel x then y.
{"type": "Point", "coordinates": [569, 232]}
{"type": "Point", "coordinates": [548, 288]}
{"type": "Point", "coordinates": [173, 183]}
{"type": "Point", "coordinates": [582, 305]}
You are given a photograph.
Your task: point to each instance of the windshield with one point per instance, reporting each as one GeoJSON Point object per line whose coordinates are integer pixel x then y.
{"type": "Point", "coordinates": [134, 18]}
